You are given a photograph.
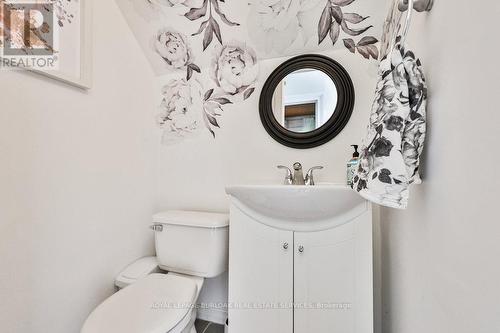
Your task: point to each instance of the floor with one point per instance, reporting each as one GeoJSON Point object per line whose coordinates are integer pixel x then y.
{"type": "Point", "coordinates": [208, 327]}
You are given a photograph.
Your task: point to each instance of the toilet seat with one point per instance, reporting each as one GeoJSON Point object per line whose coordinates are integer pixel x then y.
{"type": "Point", "coordinates": [158, 303]}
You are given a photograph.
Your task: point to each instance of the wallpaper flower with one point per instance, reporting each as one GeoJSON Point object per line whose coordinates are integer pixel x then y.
{"type": "Point", "coordinates": [277, 24]}
{"type": "Point", "coordinates": [179, 116]}
{"type": "Point", "coordinates": [173, 47]}
{"type": "Point", "coordinates": [235, 68]}
{"type": "Point", "coordinates": [234, 72]}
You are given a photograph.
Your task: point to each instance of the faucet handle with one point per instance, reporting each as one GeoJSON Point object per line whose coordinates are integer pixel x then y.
{"type": "Point", "coordinates": [289, 175]}
{"type": "Point", "coordinates": [310, 176]}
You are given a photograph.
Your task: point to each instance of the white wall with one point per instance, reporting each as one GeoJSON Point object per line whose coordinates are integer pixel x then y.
{"type": "Point", "coordinates": [440, 257]}
{"type": "Point", "coordinates": [76, 183]}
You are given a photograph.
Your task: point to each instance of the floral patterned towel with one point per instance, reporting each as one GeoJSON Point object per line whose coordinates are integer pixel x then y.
{"type": "Point", "coordinates": [390, 154]}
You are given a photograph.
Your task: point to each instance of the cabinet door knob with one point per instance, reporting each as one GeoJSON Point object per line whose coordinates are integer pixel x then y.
{"type": "Point", "coordinates": [285, 246]}
{"type": "Point", "coordinates": [301, 249]}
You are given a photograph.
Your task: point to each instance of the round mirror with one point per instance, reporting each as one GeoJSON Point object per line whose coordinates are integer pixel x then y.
{"type": "Point", "coordinates": [304, 100]}
{"type": "Point", "coordinates": [307, 101]}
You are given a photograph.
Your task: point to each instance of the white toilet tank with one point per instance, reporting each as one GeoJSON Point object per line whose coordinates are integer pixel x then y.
{"type": "Point", "coordinates": [192, 243]}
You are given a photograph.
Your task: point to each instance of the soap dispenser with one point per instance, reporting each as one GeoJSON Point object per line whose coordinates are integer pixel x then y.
{"type": "Point", "coordinates": [352, 165]}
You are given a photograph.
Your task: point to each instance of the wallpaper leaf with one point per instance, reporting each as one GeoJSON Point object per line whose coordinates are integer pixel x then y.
{"type": "Point", "coordinates": [333, 19]}
{"type": "Point", "coordinates": [337, 14]}
{"type": "Point", "coordinates": [189, 73]}
{"type": "Point", "coordinates": [248, 93]}
{"type": "Point", "coordinates": [209, 35]}
{"type": "Point", "coordinates": [353, 32]}
{"type": "Point", "coordinates": [366, 47]}
{"type": "Point", "coordinates": [367, 40]}
{"type": "Point", "coordinates": [342, 3]}
{"type": "Point", "coordinates": [207, 124]}
{"type": "Point", "coordinates": [364, 52]}
{"type": "Point", "coordinates": [373, 51]}
{"type": "Point", "coordinates": [212, 120]}
{"type": "Point", "coordinates": [222, 15]}
{"type": "Point", "coordinates": [222, 100]}
{"type": "Point", "coordinates": [334, 32]}
{"type": "Point", "coordinates": [217, 30]}
{"type": "Point", "coordinates": [354, 18]}
{"type": "Point", "coordinates": [211, 110]}
{"type": "Point", "coordinates": [226, 20]}
{"type": "Point", "coordinates": [190, 69]}
{"type": "Point", "coordinates": [196, 13]}
{"type": "Point", "coordinates": [350, 45]}
{"type": "Point", "coordinates": [208, 94]}
{"type": "Point", "coordinates": [202, 27]}
{"type": "Point", "coordinates": [325, 23]}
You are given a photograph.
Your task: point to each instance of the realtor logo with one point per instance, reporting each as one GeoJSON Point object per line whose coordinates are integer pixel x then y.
{"type": "Point", "coordinates": [27, 31]}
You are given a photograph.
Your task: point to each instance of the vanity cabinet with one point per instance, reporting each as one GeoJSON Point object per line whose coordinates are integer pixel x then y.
{"type": "Point", "coordinates": [291, 277]}
{"type": "Point", "coordinates": [261, 276]}
{"type": "Point", "coordinates": [334, 271]}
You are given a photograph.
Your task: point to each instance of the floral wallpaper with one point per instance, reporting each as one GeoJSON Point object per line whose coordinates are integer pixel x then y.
{"type": "Point", "coordinates": [206, 53]}
{"type": "Point", "coordinates": [189, 102]}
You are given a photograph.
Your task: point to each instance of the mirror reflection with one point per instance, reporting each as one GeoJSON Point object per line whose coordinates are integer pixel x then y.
{"type": "Point", "coordinates": [304, 100]}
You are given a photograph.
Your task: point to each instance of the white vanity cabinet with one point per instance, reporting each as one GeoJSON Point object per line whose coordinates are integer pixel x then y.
{"type": "Point", "coordinates": [261, 275]}
{"type": "Point", "coordinates": [303, 273]}
{"type": "Point", "coordinates": [335, 268]}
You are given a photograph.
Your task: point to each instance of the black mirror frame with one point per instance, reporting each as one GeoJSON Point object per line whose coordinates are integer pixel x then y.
{"type": "Point", "coordinates": [340, 118]}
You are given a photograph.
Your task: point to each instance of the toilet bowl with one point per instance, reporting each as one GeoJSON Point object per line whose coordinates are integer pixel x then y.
{"type": "Point", "coordinates": [190, 246]}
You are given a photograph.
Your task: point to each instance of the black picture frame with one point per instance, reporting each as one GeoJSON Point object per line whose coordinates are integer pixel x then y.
{"type": "Point", "coordinates": [332, 128]}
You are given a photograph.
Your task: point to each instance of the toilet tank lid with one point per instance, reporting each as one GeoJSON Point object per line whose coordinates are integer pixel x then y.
{"type": "Point", "coordinates": [192, 219]}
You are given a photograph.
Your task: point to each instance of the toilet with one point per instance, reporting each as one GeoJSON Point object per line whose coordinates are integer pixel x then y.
{"type": "Point", "coordinates": [190, 246]}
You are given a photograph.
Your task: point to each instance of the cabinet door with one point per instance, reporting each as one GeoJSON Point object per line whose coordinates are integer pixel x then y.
{"type": "Point", "coordinates": [260, 276]}
{"type": "Point", "coordinates": [333, 290]}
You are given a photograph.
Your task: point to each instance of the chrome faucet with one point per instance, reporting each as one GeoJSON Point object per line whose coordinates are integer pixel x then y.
{"type": "Point", "coordinates": [297, 176]}
{"type": "Point", "coordinates": [309, 180]}
{"type": "Point", "coordinates": [289, 176]}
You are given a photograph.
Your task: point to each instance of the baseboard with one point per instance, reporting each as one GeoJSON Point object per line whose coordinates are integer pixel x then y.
{"type": "Point", "coordinates": [217, 316]}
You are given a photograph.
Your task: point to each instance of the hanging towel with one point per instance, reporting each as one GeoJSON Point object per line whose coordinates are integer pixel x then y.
{"type": "Point", "coordinates": [390, 153]}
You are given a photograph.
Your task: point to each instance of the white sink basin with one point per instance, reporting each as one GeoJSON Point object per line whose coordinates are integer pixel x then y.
{"type": "Point", "coordinates": [301, 208]}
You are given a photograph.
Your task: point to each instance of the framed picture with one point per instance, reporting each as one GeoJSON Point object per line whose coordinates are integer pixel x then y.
{"type": "Point", "coordinates": [74, 50]}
